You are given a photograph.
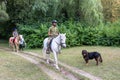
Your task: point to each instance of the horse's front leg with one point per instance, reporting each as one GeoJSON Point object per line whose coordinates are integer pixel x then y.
{"type": "Point", "coordinates": [17, 47]}
{"type": "Point", "coordinates": [13, 47]}
{"type": "Point", "coordinates": [48, 58]}
{"type": "Point", "coordinates": [56, 60]}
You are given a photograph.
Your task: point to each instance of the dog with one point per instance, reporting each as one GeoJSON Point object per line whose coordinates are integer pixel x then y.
{"type": "Point", "coordinates": [91, 55]}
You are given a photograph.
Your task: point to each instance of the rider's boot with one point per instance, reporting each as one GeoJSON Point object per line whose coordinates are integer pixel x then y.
{"type": "Point", "coordinates": [48, 46]}
{"type": "Point", "coordinates": [48, 49]}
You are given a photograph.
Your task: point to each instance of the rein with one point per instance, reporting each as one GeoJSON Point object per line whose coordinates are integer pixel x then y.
{"type": "Point", "coordinates": [60, 42]}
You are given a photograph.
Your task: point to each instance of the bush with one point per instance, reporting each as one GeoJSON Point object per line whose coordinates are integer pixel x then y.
{"type": "Point", "coordinates": [34, 36]}
{"type": "Point", "coordinates": [77, 34]}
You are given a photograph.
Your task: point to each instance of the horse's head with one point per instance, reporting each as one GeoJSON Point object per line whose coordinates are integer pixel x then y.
{"type": "Point", "coordinates": [21, 36]}
{"type": "Point", "coordinates": [22, 41]}
{"type": "Point", "coordinates": [63, 40]}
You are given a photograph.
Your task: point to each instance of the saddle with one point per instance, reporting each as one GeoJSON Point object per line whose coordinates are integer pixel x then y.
{"type": "Point", "coordinates": [14, 40]}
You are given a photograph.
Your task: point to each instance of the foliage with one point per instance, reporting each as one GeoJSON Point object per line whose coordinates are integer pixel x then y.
{"type": "Point", "coordinates": [92, 10]}
{"type": "Point", "coordinates": [20, 10]}
{"type": "Point", "coordinates": [89, 11]}
{"type": "Point", "coordinates": [111, 10]}
{"type": "Point", "coordinates": [34, 15]}
{"type": "Point", "coordinates": [3, 14]}
{"type": "Point", "coordinates": [77, 34]}
{"type": "Point", "coordinates": [33, 36]}
{"type": "Point", "coordinates": [31, 11]}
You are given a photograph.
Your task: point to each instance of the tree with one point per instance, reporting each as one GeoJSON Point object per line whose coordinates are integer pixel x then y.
{"type": "Point", "coordinates": [3, 14]}
{"type": "Point", "coordinates": [111, 10]}
{"type": "Point", "coordinates": [92, 11]}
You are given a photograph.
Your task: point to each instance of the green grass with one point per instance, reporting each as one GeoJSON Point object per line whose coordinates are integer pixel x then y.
{"type": "Point", "coordinates": [108, 70]}
{"type": "Point", "coordinates": [13, 67]}
{"type": "Point", "coordinates": [4, 43]}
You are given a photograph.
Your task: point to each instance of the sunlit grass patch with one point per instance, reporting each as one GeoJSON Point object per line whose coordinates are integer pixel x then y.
{"type": "Point", "coordinates": [13, 67]}
{"type": "Point", "coordinates": [4, 43]}
{"type": "Point", "coordinates": [108, 70]}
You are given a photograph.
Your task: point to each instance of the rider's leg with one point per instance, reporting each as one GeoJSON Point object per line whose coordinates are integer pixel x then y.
{"type": "Point", "coordinates": [48, 45]}
{"type": "Point", "coordinates": [13, 45]}
{"type": "Point", "coordinates": [14, 39]}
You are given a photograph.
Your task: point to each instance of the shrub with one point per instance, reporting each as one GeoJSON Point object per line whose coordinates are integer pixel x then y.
{"type": "Point", "coordinates": [77, 34]}
{"type": "Point", "coordinates": [34, 36]}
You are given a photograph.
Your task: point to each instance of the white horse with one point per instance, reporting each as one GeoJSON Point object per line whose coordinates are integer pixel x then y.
{"type": "Point", "coordinates": [22, 43]}
{"type": "Point", "coordinates": [56, 44]}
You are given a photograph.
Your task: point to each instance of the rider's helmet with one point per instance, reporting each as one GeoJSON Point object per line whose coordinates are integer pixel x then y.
{"type": "Point", "coordinates": [54, 21]}
{"type": "Point", "coordinates": [15, 29]}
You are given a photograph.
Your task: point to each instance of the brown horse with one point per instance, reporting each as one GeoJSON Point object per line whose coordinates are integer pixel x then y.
{"type": "Point", "coordinates": [14, 44]}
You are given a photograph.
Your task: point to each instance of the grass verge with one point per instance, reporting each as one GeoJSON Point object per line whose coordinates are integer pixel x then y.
{"type": "Point", "coordinates": [108, 70]}
{"type": "Point", "coordinates": [13, 67]}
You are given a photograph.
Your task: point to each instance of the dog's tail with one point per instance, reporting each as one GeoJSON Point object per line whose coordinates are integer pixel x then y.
{"type": "Point", "coordinates": [100, 59]}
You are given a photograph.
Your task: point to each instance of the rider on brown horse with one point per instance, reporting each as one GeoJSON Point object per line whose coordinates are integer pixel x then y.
{"type": "Point", "coordinates": [15, 34]}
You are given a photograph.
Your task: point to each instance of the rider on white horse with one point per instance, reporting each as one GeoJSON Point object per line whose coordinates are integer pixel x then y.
{"type": "Point", "coordinates": [56, 44]}
{"type": "Point", "coordinates": [52, 32]}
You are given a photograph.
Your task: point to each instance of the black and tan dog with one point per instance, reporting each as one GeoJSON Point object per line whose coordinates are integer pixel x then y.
{"type": "Point", "coordinates": [91, 55]}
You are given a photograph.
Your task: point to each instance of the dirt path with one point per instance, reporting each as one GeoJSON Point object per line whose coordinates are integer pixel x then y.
{"type": "Point", "coordinates": [73, 69]}
{"type": "Point", "coordinates": [65, 74]}
{"type": "Point", "coordinates": [52, 74]}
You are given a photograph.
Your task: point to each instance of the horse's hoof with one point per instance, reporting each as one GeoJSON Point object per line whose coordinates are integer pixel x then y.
{"type": "Point", "coordinates": [56, 66]}
{"type": "Point", "coordinates": [47, 62]}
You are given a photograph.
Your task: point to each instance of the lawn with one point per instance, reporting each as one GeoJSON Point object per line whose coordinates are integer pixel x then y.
{"type": "Point", "coordinates": [13, 67]}
{"type": "Point", "coordinates": [108, 70]}
{"type": "Point", "coordinates": [4, 43]}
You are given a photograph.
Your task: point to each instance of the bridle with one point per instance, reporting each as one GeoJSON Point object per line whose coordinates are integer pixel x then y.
{"type": "Point", "coordinates": [61, 43]}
